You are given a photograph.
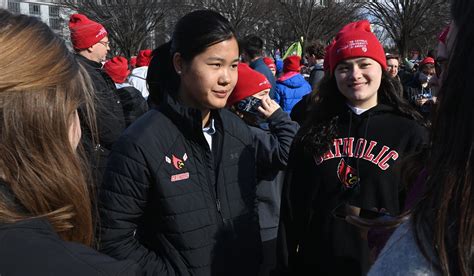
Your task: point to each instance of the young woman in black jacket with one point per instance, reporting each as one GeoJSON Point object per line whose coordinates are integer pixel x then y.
{"type": "Point", "coordinates": [179, 192]}
{"type": "Point", "coordinates": [46, 222]}
{"type": "Point", "coordinates": [347, 153]}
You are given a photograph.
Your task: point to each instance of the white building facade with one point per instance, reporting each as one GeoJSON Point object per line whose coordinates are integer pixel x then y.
{"type": "Point", "coordinates": [48, 11]}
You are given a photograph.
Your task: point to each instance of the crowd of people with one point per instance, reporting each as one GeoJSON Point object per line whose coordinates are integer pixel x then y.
{"type": "Point", "coordinates": [205, 156]}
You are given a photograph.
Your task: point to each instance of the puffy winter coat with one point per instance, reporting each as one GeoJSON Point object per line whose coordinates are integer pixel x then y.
{"type": "Point", "coordinates": [176, 207]}
{"type": "Point", "coordinates": [290, 88]}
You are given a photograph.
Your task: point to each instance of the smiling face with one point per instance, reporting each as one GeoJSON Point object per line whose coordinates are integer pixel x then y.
{"type": "Point", "coordinates": [358, 79]}
{"type": "Point", "coordinates": [210, 77]}
{"type": "Point", "coordinates": [392, 67]}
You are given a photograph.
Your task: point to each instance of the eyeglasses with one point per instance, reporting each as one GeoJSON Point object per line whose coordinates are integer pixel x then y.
{"type": "Point", "coordinates": [105, 43]}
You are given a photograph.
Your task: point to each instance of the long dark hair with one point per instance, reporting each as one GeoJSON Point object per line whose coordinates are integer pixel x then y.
{"type": "Point", "coordinates": [320, 129]}
{"type": "Point", "coordinates": [193, 34]}
{"type": "Point", "coordinates": [444, 218]}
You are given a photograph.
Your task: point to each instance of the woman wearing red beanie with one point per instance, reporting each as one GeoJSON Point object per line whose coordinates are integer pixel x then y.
{"type": "Point", "coordinates": [346, 154]}
{"type": "Point", "coordinates": [273, 132]}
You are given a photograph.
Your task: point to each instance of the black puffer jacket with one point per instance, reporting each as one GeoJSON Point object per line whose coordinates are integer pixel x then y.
{"type": "Point", "coordinates": [176, 207]}
{"type": "Point", "coordinates": [109, 116]}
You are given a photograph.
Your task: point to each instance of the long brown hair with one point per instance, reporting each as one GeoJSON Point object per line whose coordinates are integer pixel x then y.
{"type": "Point", "coordinates": [444, 218]}
{"type": "Point", "coordinates": [41, 87]}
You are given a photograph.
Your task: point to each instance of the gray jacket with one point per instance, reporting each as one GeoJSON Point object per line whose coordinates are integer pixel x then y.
{"type": "Point", "coordinates": [402, 256]}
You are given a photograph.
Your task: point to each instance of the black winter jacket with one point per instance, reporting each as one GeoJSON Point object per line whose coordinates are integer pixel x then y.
{"type": "Point", "coordinates": [109, 116]}
{"type": "Point", "coordinates": [32, 247]}
{"type": "Point", "coordinates": [133, 103]}
{"type": "Point", "coordinates": [368, 147]}
{"type": "Point", "coordinates": [176, 207]}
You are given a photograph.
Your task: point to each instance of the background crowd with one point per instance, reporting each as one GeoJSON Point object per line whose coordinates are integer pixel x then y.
{"type": "Point", "coordinates": [206, 156]}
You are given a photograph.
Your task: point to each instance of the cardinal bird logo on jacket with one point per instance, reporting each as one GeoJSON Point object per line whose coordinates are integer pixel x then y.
{"type": "Point", "coordinates": [347, 174]}
{"type": "Point", "coordinates": [176, 162]}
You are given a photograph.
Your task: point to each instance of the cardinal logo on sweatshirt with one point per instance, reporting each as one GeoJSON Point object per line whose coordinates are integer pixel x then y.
{"type": "Point", "coordinates": [347, 174]}
{"type": "Point", "coordinates": [176, 162]}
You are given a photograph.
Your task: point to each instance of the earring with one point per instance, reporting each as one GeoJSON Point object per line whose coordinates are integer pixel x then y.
{"type": "Point", "coordinates": [179, 72]}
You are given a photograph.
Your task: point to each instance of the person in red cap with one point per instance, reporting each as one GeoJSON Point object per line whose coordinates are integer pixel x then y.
{"type": "Point", "coordinates": [88, 38]}
{"type": "Point", "coordinates": [422, 90]}
{"type": "Point", "coordinates": [271, 64]}
{"type": "Point", "coordinates": [134, 105]}
{"type": "Point", "coordinates": [138, 76]}
{"type": "Point", "coordinates": [291, 85]}
{"type": "Point", "coordinates": [91, 44]}
{"type": "Point", "coordinates": [345, 159]}
{"type": "Point", "coordinates": [274, 132]}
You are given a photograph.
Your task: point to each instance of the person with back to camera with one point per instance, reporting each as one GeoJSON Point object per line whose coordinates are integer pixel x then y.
{"type": "Point", "coordinates": [138, 77]}
{"type": "Point", "coordinates": [46, 224]}
{"type": "Point", "coordinates": [179, 192]}
{"type": "Point", "coordinates": [291, 86]}
{"type": "Point", "coordinates": [346, 154]}
{"type": "Point", "coordinates": [438, 237]}
{"type": "Point", "coordinates": [275, 131]}
{"type": "Point", "coordinates": [133, 104]}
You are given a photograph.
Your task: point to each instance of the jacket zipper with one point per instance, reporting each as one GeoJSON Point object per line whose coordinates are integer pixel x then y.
{"type": "Point", "coordinates": [213, 191]}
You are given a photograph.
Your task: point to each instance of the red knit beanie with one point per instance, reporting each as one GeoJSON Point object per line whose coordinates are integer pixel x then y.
{"type": "Point", "coordinates": [144, 58]}
{"type": "Point", "coordinates": [269, 62]}
{"type": "Point", "coordinates": [250, 82]}
{"type": "Point", "coordinates": [328, 49]}
{"type": "Point", "coordinates": [117, 69]}
{"type": "Point", "coordinates": [427, 60]}
{"type": "Point", "coordinates": [85, 32]}
{"type": "Point", "coordinates": [292, 64]}
{"type": "Point", "coordinates": [356, 40]}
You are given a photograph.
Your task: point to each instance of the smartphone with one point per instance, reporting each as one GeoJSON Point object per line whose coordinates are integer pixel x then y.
{"type": "Point", "coordinates": [249, 105]}
{"type": "Point", "coordinates": [344, 210]}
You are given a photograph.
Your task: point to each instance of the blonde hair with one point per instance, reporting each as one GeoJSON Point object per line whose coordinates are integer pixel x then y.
{"type": "Point", "coordinates": [41, 86]}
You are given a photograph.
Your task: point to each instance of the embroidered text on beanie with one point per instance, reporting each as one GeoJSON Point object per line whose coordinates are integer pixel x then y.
{"type": "Point", "coordinates": [249, 83]}
{"type": "Point", "coordinates": [85, 32]}
{"type": "Point", "coordinates": [356, 40]}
